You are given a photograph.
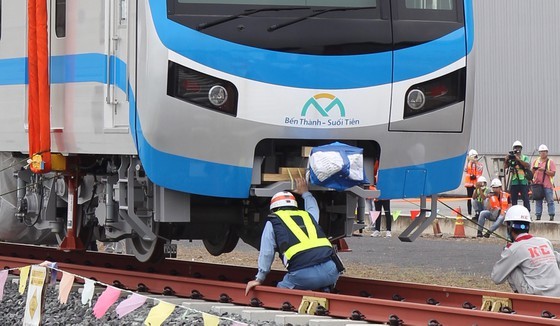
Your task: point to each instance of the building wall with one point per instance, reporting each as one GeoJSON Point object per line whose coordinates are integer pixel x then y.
{"type": "Point", "coordinates": [517, 86]}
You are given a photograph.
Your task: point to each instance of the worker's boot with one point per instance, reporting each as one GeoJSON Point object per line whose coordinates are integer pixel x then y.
{"type": "Point", "coordinates": [538, 217]}
{"type": "Point", "coordinates": [479, 234]}
{"type": "Point", "coordinates": [487, 234]}
{"type": "Point", "coordinates": [551, 217]}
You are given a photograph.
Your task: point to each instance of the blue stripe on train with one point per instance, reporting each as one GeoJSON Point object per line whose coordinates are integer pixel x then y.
{"type": "Point", "coordinates": [270, 66]}
{"type": "Point", "coordinates": [72, 68]}
{"type": "Point", "coordinates": [192, 175]}
{"type": "Point", "coordinates": [437, 177]}
{"type": "Point", "coordinates": [469, 25]}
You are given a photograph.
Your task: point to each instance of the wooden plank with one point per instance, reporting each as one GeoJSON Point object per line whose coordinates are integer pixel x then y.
{"type": "Point", "coordinates": [293, 171]}
{"type": "Point", "coordinates": [306, 151]}
{"type": "Point", "coordinates": [272, 177]}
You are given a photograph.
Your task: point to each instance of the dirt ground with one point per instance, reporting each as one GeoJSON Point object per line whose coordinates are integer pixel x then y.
{"type": "Point", "coordinates": [360, 270]}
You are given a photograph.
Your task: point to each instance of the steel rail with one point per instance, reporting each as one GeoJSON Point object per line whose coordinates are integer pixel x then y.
{"type": "Point", "coordinates": [372, 300]}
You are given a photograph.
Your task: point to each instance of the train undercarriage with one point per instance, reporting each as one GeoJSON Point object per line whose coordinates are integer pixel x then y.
{"type": "Point", "coordinates": [110, 198]}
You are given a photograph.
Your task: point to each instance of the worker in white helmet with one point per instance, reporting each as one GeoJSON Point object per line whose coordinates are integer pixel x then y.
{"type": "Point", "coordinates": [518, 166]}
{"type": "Point", "coordinates": [529, 264]}
{"type": "Point", "coordinates": [301, 243]}
{"type": "Point", "coordinates": [473, 170]}
{"type": "Point", "coordinates": [542, 186]}
{"type": "Point", "coordinates": [480, 196]}
{"type": "Point", "coordinates": [499, 203]}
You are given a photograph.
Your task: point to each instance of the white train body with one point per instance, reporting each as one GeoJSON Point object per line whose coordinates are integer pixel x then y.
{"type": "Point", "coordinates": [150, 154]}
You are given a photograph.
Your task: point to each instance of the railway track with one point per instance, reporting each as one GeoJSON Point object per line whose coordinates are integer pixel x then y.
{"type": "Point", "coordinates": [394, 303]}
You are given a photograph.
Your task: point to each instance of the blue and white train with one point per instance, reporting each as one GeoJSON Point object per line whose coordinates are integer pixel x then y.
{"type": "Point", "coordinates": [165, 115]}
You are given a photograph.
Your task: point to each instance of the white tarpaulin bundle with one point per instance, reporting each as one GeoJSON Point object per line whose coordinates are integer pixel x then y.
{"type": "Point", "coordinates": [338, 166]}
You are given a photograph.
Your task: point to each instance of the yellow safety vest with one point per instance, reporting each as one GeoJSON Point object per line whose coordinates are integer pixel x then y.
{"type": "Point", "coordinates": [306, 241]}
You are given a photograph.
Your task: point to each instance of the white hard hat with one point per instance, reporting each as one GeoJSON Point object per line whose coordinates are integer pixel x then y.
{"type": "Point", "coordinates": [283, 199]}
{"type": "Point", "coordinates": [518, 213]}
{"type": "Point", "coordinates": [482, 179]}
{"type": "Point", "coordinates": [543, 148]}
{"type": "Point", "coordinates": [496, 183]}
{"type": "Point", "coordinates": [473, 153]}
{"type": "Point", "coordinates": [516, 143]}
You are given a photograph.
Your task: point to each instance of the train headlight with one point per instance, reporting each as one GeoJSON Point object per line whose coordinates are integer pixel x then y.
{"type": "Point", "coordinates": [218, 95]}
{"type": "Point", "coordinates": [435, 94]}
{"type": "Point", "coordinates": [201, 89]}
{"type": "Point", "coordinates": [416, 99]}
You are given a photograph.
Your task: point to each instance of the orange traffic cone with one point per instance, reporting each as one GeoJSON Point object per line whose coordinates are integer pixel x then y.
{"type": "Point", "coordinates": [459, 224]}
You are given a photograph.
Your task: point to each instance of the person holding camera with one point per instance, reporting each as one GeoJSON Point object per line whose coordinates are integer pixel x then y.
{"type": "Point", "coordinates": [517, 164]}
{"type": "Point", "coordinates": [544, 171]}
{"type": "Point", "coordinates": [473, 170]}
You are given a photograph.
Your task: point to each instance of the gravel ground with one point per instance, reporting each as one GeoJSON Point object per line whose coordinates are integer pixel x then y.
{"type": "Point", "coordinates": [74, 313]}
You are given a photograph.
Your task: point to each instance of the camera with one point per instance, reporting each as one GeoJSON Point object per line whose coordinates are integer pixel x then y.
{"type": "Point", "coordinates": [512, 160]}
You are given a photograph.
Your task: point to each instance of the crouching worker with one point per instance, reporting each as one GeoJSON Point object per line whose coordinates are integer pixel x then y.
{"type": "Point", "coordinates": [301, 243]}
{"type": "Point", "coordinates": [499, 204]}
{"type": "Point", "coordinates": [529, 264]}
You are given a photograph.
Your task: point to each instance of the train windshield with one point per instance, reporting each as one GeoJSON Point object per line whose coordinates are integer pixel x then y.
{"type": "Point", "coordinates": [430, 4]}
{"type": "Point", "coordinates": [306, 3]}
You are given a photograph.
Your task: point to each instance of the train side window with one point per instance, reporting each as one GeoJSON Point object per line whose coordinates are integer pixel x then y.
{"type": "Point", "coordinates": [430, 4]}
{"type": "Point", "coordinates": [430, 10]}
{"type": "Point", "coordinates": [60, 18]}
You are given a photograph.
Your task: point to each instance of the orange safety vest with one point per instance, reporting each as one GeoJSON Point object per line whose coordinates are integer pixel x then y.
{"type": "Point", "coordinates": [501, 202]}
{"type": "Point", "coordinates": [473, 168]}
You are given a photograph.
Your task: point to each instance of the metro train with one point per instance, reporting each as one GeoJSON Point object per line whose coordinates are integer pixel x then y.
{"type": "Point", "coordinates": [152, 120]}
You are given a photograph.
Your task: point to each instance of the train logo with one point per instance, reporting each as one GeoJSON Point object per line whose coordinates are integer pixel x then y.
{"type": "Point", "coordinates": [316, 101]}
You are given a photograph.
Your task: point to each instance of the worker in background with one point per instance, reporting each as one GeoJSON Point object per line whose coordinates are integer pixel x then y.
{"type": "Point", "coordinates": [473, 170]}
{"type": "Point", "coordinates": [480, 197]}
{"type": "Point", "coordinates": [377, 204]}
{"type": "Point", "coordinates": [517, 165]}
{"type": "Point", "coordinates": [301, 243]}
{"type": "Point", "coordinates": [544, 171]}
{"type": "Point", "coordinates": [499, 202]}
{"type": "Point", "coordinates": [529, 264]}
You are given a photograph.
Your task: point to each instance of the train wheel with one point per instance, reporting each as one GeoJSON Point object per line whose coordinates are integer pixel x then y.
{"type": "Point", "coordinates": [147, 251]}
{"type": "Point", "coordinates": [221, 242]}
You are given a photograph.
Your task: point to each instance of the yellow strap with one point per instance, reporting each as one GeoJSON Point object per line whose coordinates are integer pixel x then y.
{"type": "Point", "coordinates": [305, 241]}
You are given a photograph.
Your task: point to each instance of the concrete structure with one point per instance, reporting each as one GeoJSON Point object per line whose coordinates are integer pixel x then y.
{"type": "Point", "coordinates": [517, 80]}
{"type": "Point", "coordinates": [549, 230]}
{"type": "Point", "coordinates": [517, 75]}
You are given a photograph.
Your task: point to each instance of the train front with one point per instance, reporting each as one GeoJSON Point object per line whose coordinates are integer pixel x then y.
{"type": "Point", "coordinates": [230, 91]}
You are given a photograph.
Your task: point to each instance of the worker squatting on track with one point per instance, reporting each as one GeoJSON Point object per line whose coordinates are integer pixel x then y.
{"type": "Point", "coordinates": [529, 264]}
{"type": "Point", "coordinates": [303, 247]}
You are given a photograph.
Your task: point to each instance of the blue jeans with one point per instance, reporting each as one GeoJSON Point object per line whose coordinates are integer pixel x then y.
{"type": "Point", "coordinates": [549, 196]}
{"type": "Point", "coordinates": [479, 205]}
{"type": "Point", "coordinates": [311, 278]}
{"type": "Point", "coordinates": [492, 216]}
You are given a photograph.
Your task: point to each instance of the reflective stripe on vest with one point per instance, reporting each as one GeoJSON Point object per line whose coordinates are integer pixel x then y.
{"type": "Point", "coordinates": [305, 242]}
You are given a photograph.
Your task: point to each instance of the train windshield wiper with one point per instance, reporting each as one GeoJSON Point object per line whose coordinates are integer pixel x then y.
{"type": "Point", "coordinates": [272, 28]}
{"type": "Point", "coordinates": [248, 12]}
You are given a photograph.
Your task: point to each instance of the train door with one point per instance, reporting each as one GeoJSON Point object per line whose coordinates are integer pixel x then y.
{"type": "Point", "coordinates": [120, 36]}
{"type": "Point", "coordinates": [429, 60]}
